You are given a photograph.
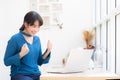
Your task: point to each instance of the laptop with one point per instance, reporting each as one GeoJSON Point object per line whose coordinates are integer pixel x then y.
{"type": "Point", "coordinates": [77, 61]}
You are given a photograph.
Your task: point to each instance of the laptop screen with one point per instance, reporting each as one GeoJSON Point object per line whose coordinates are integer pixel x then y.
{"type": "Point", "coordinates": [78, 59]}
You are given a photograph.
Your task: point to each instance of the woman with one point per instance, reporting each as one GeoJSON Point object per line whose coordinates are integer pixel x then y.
{"type": "Point", "coordinates": [23, 52]}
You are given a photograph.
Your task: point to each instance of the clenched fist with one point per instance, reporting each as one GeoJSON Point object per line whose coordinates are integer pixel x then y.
{"type": "Point", "coordinates": [49, 45]}
{"type": "Point", "coordinates": [24, 50]}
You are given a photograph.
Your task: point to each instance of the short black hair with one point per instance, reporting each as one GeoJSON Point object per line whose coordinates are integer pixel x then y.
{"type": "Point", "coordinates": [30, 18]}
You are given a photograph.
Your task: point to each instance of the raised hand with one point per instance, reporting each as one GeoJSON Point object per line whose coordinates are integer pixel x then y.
{"type": "Point", "coordinates": [49, 45]}
{"type": "Point", "coordinates": [24, 50]}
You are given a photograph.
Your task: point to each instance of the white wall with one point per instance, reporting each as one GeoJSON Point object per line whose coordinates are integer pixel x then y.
{"type": "Point", "coordinates": [11, 16]}
{"type": "Point", "coordinates": [77, 16]}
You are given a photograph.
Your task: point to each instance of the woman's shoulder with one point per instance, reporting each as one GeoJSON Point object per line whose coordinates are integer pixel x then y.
{"type": "Point", "coordinates": [36, 38]}
{"type": "Point", "coordinates": [15, 36]}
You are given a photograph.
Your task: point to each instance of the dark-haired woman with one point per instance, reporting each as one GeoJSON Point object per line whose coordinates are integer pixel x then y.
{"type": "Point", "coordinates": [23, 52]}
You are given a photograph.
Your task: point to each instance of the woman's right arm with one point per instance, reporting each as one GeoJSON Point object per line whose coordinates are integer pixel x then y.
{"type": "Point", "coordinates": [12, 56]}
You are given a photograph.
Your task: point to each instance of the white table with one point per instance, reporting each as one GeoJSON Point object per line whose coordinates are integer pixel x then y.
{"type": "Point", "coordinates": [96, 74]}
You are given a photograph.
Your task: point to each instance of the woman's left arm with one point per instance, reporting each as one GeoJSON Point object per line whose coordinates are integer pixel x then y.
{"type": "Point", "coordinates": [48, 51]}
{"type": "Point", "coordinates": [46, 56]}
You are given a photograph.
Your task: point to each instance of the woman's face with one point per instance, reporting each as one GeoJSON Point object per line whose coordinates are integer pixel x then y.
{"type": "Point", "coordinates": [32, 30]}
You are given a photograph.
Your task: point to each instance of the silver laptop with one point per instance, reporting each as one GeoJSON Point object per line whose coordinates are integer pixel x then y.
{"type": "Point", "coordinates": [77, 61]}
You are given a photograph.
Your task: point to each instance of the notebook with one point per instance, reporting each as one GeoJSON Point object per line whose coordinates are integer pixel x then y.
{"type": "Point", "coordinates": [77, 61]}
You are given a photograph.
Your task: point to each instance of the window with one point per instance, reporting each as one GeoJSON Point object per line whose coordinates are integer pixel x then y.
{"type": "Point", "coordinates": [50, 10]}
{"type": "Point", "coordinates": [107, 30]}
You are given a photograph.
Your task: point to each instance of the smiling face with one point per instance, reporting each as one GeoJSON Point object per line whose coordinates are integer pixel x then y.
{"type": "Point", "coordinates": [32, 29]}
